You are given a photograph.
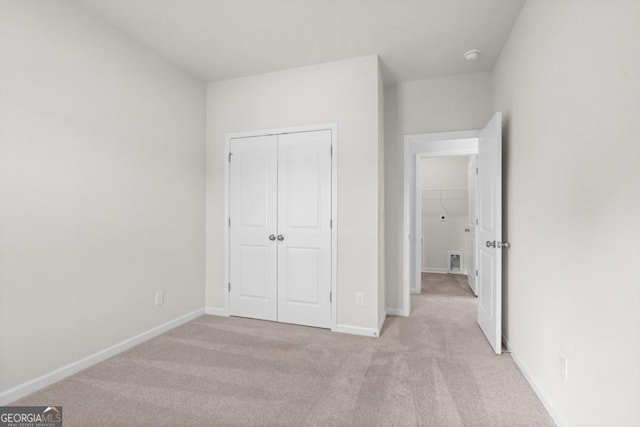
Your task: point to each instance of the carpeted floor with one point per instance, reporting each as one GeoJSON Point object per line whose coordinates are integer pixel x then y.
{"type": "Point", "coordinates": [434, 368]}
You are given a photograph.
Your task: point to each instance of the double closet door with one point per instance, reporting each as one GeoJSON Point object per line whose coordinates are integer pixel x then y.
{"type": "Point", "coordinates": [280, 228]}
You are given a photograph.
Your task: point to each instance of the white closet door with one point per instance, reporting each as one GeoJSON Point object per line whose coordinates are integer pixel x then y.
{"type": "Point", "coordinates": [304, 231]}
{"type": "Point", "coordinates": [253, 212]}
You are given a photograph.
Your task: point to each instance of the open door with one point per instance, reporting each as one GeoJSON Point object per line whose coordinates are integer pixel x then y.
{"type": "Point", "coordinates": [489, 232]}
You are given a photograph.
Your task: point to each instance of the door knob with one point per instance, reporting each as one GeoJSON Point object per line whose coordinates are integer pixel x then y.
{"type": "Point", "coordinates": [498, 245]}
{"type": "Point", "coordinates": [272, 237]}
{"type": "Point", "coordinates": [280, 237]}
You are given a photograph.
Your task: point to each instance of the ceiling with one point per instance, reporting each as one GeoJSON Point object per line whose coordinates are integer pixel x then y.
{"type": "Point", "coordinates": [223, 39]}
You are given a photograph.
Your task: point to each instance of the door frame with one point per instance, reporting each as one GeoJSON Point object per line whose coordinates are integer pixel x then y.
{"type": "Point", "coordinates": [416, 147]}
{"type": "Point", "coordinates": [333, 127]}
{"type": "Point", "coordinates": [473, 190]}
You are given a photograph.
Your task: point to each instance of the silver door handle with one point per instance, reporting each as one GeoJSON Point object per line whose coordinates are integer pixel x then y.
{"type": "Point", "coordinates": [280, 237]}
{"type": "Point", "coordinates": [272, 237]}
{"type": "Point", "coordinates": [466, 230]}
{"type": "Point", "coordinates": [498, 245]}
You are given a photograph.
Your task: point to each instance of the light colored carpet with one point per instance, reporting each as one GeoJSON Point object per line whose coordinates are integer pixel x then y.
{"type": "Point", "coordinates": [434, 368]}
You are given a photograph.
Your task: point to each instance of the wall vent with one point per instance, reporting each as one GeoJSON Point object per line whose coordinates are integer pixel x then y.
{"type": "Point", "coordinates": [455, 262]}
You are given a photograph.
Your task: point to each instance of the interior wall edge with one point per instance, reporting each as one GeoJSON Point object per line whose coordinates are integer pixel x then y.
{"type": "Point", "coordinates": [544, 399]}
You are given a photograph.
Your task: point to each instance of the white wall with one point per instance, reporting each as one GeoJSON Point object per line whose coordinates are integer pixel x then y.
{"type": "Point", "coordinates": [449, 174]}
{"type": "Point", "coordinates": [101, 188]}
{"type": "Point", "coordinates": [568, 82]}
{"type": "Point", "coordinates": [437, 105]}
{"type": "Point", "coordinates": [345, 92]}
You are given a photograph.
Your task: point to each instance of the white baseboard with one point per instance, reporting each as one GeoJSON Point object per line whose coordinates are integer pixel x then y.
{"type": "Point", "coordinates": [216, 311]}
{"type": "Point", "coordinates": [397, 312]}
{"type": "Point", "coordinates": [435, 270]}
{"type": "Point", "coordinates": [357, 330]}
{"type": "Point", "coordinates": [47, 379]}
{"type": "Point", "coordinates": [546, 402]}
{"type": "Point", "coordinates": [442, 271]}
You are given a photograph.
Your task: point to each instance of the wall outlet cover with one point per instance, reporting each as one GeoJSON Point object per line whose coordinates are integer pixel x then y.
{"type": "Point", "coordinates": [563, 367]}
{"type": "Point", "coordinates": [159, 298]}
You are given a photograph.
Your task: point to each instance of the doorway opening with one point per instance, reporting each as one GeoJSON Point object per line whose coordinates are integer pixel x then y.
{"type": "Point", "coordinates": [486, 146]}
{"type": "Point", "coordinates": [446, 223]}
{"type": "Point", "coordinates": [418, 148]}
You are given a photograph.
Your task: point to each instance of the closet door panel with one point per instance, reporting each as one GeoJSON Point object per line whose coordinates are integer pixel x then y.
{"type": "Point", "coordinates": [304, 215]}
{"type": "Point", "coordinates": [253, 213]}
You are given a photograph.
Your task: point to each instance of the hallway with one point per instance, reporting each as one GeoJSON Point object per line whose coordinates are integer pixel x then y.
{"type": "Point", "coordinates": [467, 383]}
{"type": "Point", "coordinates": [434, 368]}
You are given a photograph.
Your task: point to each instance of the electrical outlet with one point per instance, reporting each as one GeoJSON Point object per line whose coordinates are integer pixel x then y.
{"type": "Point", "coordinates": [563, 368]}
{"type": "Point", "coordinates": [359, 298]}
{"type": "Point", "coordinates": [159, 297]}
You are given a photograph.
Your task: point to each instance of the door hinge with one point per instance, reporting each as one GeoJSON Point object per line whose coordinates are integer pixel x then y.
{"type": "Point", "coordinates": [330, 223]}
{"type": "Point", "coordinates": [476, 221]}
{"type": "Point", "coordinates": [229, 286]}
{"type": "Point", "coordinates": [331, 150]}
{"type": "Point", "coordinates": [229, 222]}
{"type": "Point", "coordinates": [330, 296]}
{"type": "Point", "coordinates": [476, 273]}
{"type": "Point", "coordinates": [230, 154]}
{"type": "Point", "coordinates": [476, 171]}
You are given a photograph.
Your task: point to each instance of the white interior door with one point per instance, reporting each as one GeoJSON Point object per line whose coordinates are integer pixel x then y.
{"type": "Point", "coordinates": [471, 227]}
{"type": "Point", "coordinates": [489, 232]}
{"type": "Point", "coordinates": [304, 228]}
{"type": "Point", "coordinates": [253, 212]}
